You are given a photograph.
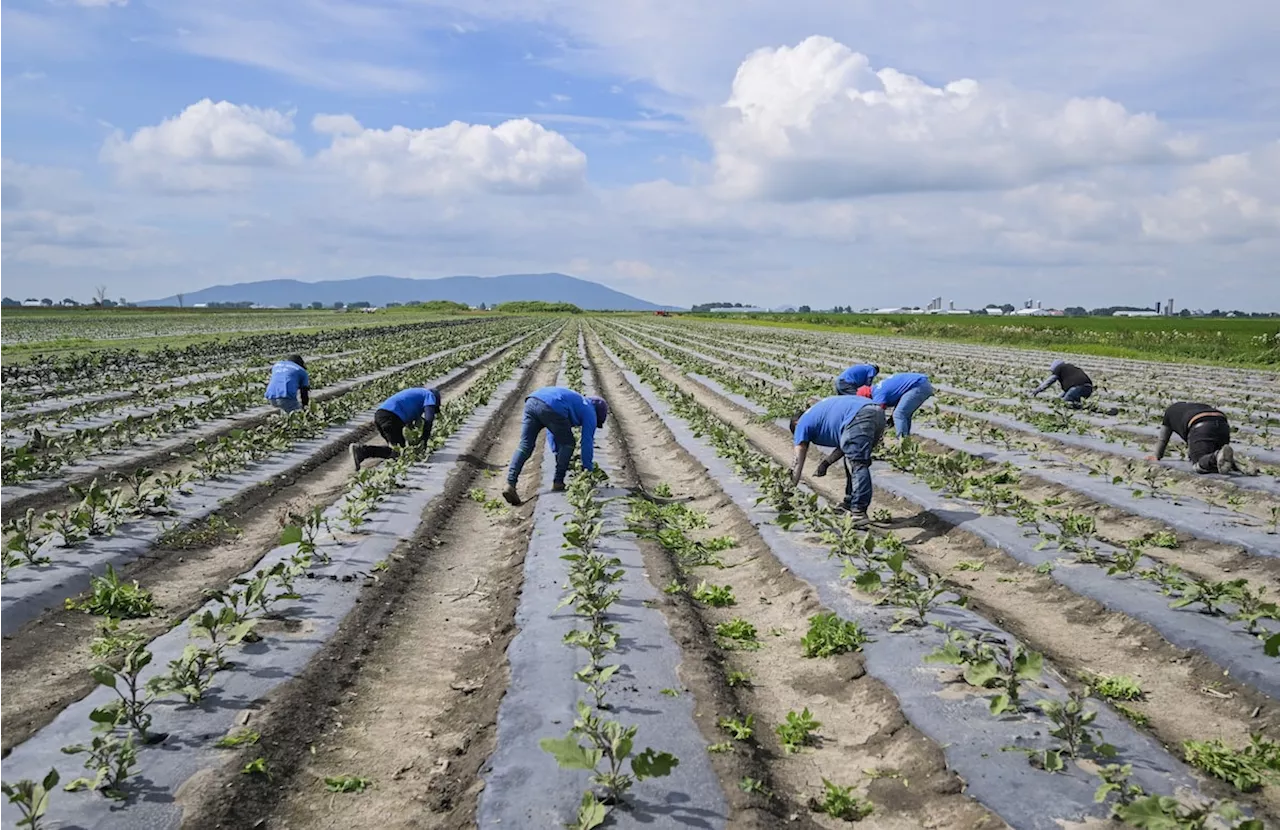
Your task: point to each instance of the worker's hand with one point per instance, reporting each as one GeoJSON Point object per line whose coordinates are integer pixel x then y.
{"type": "Point", "coordinates": [822, 469]}
{"type": "Point", "coordinates": [1152, 458]}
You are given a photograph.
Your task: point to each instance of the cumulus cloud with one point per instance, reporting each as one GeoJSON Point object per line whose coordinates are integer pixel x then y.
{"type": "Point", "coordinates": [517, 156]}
{"type": "Point", "coordinates": [1231, 198]}
{"type": "Point", "coordinates": [816, 121]}
{"type": "Point", "coordinates": [208, 146]}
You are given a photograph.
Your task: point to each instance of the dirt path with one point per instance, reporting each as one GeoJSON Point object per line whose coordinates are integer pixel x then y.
{"type": "Point", "coordinates": [1187, 695]}
{"type": "Point", "coordinates": [863, 730]}
{"type": "Point", "coordinates": [416, 716]}
{"type": "Point", "coordinates": [47, 662]}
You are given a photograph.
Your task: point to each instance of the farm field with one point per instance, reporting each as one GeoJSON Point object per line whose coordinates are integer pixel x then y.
{"type": "Point", "coordinates": [209, 620]}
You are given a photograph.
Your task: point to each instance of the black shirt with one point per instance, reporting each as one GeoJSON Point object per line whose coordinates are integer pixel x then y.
{"type": "Point", "coordinates": [1070, 375]}
{"type": "Point", "coordinates": [1178, 416]}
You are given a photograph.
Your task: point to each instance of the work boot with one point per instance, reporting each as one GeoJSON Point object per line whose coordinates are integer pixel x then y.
{"type": "Point", "coordinates": [860, 518]}
{"type": "Point", "coordinates": [1207, 463]}
{"type": "Point", "coordinates": [1227, 460]}
{"type": "Point", "coordinates": [357, 455]}
{"type": "Point", "coordinates": [511, 496]}
{"type": "Point", "coordinates": [557, 486]}
{"type": "Point", "coordinates": [822, 469]}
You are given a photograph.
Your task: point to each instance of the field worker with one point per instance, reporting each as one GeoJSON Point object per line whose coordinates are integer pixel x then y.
{"type": "Point", "coordinates": [1207, 433]}
{"type": "Point", "coordinates": [397, 412]}
{"type": "Point", "coordinates": [854, 425]}
{"type": "Point", "coordinates": [904, 392]}
{"type": "Point", "coordinates": [557, 410]}
{"type": "Point", "coordinates": [850, 380]}
{"type": "Point", "coordinates": [289, 380]}
{"type": "Point", "coordinates": [1076, 385]}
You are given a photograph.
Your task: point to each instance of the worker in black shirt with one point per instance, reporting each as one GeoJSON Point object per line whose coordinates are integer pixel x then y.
{"type": "Point", "coordinates": [1076, 385]}
{"type": "Point", "coordinates": [1207, 433]}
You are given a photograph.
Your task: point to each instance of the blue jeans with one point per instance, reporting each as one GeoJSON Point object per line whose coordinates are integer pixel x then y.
{"type": "Point", "coordinates": [857, 439]}
{"type": "Point", "coordinates": [285, 405]}
{"type": "Point", "coordinates": [844, 387]}
{"type": "Point", "coordinates": [908, 404]}
{"type": "Point", "coordinates": [1075, 394]}
{"type": "Point", "coordinates": [537, 417]}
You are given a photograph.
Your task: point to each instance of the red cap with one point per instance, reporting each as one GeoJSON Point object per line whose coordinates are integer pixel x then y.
{"type": "Point", "coordinates": [864, 391]}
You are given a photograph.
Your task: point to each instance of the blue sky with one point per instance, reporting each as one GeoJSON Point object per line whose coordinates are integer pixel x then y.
{"type": "Point", "coordinates": [859, 153]}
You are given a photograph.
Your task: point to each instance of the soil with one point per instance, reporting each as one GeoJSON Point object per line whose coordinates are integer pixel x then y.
{"type": "Point", "coordinates": [1187, 695]}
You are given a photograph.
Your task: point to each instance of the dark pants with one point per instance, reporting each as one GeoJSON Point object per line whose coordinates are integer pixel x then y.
{"type": "Point", "coordinates": [1206, 436]}
{"type": "Point", "coordinates": [857, 439]}
{"type": "Point", "coordinates": [391, 428]}
{"type": "Point", "coordinates": [844, 387]}
{"type": "Point", "coordinates": [1075, 394]}
{"type": "Point", "coordinates": [537, 417]}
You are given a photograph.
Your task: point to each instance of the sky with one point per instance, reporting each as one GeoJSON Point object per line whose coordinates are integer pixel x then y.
{"type": "Point", "coordinates": [801, 152]}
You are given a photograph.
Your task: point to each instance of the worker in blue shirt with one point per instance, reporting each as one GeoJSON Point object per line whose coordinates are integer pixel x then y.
{"type": "Point", "coordinates": [397, 412]}
{"type": "Point", "coordinates": [557, 410]}
{"type": "Point", "coordinates": [905, 392]}
{"type": "Point", "coordinates": [850, 380]}
{"type": "Point", "coordinates": [289, 380]}
{"type": "Point", "coordinates": [854, 425]}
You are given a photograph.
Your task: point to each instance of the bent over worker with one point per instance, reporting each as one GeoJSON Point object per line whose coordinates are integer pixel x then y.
{"type": "Point", "coordinates": [289, 381]}
{"type": "Point", "coordinates": [397, 412]}
{"type": "Point", "coordinates": [1207, 433]}
{"type": "Point", "coordinates": [850, 380]}
{"type": "Point", "coordinates": [557, 410]}
{"type": "Point", "coordinates": [1076, 385]}
{"type": "Point", "coordinates": [904, 392]}
{"type": "Point", "coordinates": [854, 425]}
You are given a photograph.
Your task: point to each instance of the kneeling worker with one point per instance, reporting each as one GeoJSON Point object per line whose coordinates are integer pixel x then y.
{"type": "Point", "coordinates": [853, 424]}
{"type": "Point", "coordinates": [1076, 385]}
{"type": "Point", "coordinates": [397, 412]}
{"type": "Point", "coordinates": [557, 410]}
{"type": "Point", "coordinates": [289, 381]}
{"type": "Point", "coordinates": [1207, 433]}
{"type": "Point", "coordinates": [850, 380]}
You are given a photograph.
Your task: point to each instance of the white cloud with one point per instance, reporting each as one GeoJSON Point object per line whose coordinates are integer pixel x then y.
{"type": "Point", "coordinates": [517, 156]}
{"type": "Point", "coordinates": [336, 124]}
{"type": "Point", "coordinates": [1231, 198]}
{"type": "Point", "coordinates": [815, 121]}
{"type": "Point", "coordinates": [207, 147]}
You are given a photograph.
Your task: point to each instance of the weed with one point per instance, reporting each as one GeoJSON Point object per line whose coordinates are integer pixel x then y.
{"type": "Point", "coordinates": [207, 532]}
{"type": "Point", "coordinates": [243, 737]}
{"type": "Point", "coordinates": [670, 692]}
{"type": "Point", "coordinates": [737, 678]}
{"type": "Point", "coordinates": [797, 730]}
{"type": "Point", "coordinates": [754, 786]}
{"type": "Point", "coordinates": [1132, 715]}
{"type": "Point", "coordinates": [969, 565]}
{"type": "Point", "coordinates": [673, 587]}
{"type": "Point", "coordinates": [1162, 539]}
{"type": "Point", "coordinates": [110, 596]}
{"type": "Point", "coordinates": [723, 746]}
{"type": "Point", "coordinates": [347, 784]}
{"type": "Point", "coordinates": [258, 766]}
{"type": "Point", "coordinates": [718, 596]}
{"type": "Point", "coordinates": [737, 634]}
{"type": "Point", "coordinates": [739, 730]}
{"type": "Point", "coordinates": [1246, 769]}
{"type": "Point", "coordinates": [1117, 687]}
{"type": "Point", "coordinates": [840, 802]}
{"type": "Point", "coordinates": [829, 635]}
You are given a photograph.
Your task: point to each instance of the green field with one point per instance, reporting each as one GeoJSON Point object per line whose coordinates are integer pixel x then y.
{"type": "Point", "coordinates": [1231, 342]}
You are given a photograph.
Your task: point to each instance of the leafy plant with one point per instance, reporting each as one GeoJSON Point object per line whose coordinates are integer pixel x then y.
{"type": "Point", "coordinates": [112, 760]}
{"type": "Point", "coordinates": [718, 596]}
{"type": "Point", "coordinates": [133, 697]}
{"type": "Point", "coordinates": [990, 662]}
{"type": "Point", "coordinates": [242, 737]}
{"type": "Point", "coordinates": [737, 634]}
{"type": "Point", "coordinates": [841, 802]}
{"type": "Point", "coordinates": [1117, 687]}
{"type": "Point", "coordinates": [31, 798]}
{"type": "Point", "coordinates": [737, 678]}
{"type": "Point", "coordinates": [797, 730]}
{"type": "Point", "coordinates": [829, 635]}
{"type": "Point", "coordinates": [1245, 769]}
{"type": "Point", "coordinates": [1072, 726]}
{"type": "Point", "coordinates": [347, 784]}
{"type": "Point", "coordinates": [110, 596]}
{"type": "Point", "coordinates": [112, 641]}
{"type": "Point", "coordinates": [739, 730]}
{"type": "Point", "coordinates": [190, 675]}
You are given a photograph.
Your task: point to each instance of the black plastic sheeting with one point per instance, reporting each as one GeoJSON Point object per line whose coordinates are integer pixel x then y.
{"type": "Point", "coordinates": [524, 786]}
{"type": "Point", "coordinates": [29, 590]}
{"type": "Point", "coordinates": [971, 738]}
{"type": "Point", "coordinates": [259, 667]}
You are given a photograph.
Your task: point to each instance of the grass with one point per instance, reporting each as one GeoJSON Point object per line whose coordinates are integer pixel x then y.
{"type": "Point", "coordinates": [204, 533]}
{"type": "Point", "coordinates": [1220, 341]}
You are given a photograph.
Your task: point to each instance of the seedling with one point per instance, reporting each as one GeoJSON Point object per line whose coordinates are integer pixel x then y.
{"type": "Point", "coordinates": [31, 798]}
{"type": "Point", "coordinates": [1072, 726]}
{"type": "Point", "coordinates": [190, 675]}
{"type": "Point", "coordinates": [1117, 687]}
{"type": "Point", "coordinates": [969, 565]}
{"type": "Point", "coordinates": [754, 786]}
{"type": "Point", "coordinates": [737, 678]}
{"type": "Point", "coordinates": [347, 784]}
{"type": "Point", "coordinates": [718, 596]}
{"type": "Point", "coordinates": [110, 596]}
{"type": "Point", "coordinates": [739, 730]}
{"type": "Point", "coordinates": [990, 662]}
{"type": "Point", "coordinates": [797, 731]}
{"type": "Point", "coordinates": [829, 635]}
{"type": "Point", "coordinates": [1162, 539]}
{"type": "Point", "coordinates": [112, 760]}
{"type": "Point", "coordinates": [737, 634]}
{"type": "Point", "coordinates": [840, 802]}
{"type": "Point", "coordinates": [25, 542]}
{"type": "Point", "coordinates": [243, 737]}
{"type": "Point", "coordinates": [258, 766]}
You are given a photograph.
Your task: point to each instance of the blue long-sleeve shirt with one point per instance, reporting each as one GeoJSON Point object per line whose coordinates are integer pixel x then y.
{"type": "Point", "coordinates": [890, 390]}
{"type": "Point", "coordinates": [411, 404]}
{"type": "Point", "coordinates": [579, 412]}
{"type": "Point", "coordinates": [859, 374]}
{"type": "Point", "coordinates": [821, 423]}
{"type": "Point", "coordinates": [287, 378]}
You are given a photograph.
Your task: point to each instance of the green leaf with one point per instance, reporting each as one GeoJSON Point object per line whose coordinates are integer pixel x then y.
{"type": "Point", "coordinates": [1272, 647]}
{"type": "Point", "coordinates": [981, 673]}
{"type": "Point", "coordinates": [291, 535]}
{"type": "Point", "coordinates": [868, 581]}
{"type": "Point", "coordinates": [591, 813]}
{"type": "Point", "coordinates": [651, 764]}
{"type": "Point", "coordinates": [569, 754]}
{"type": "Point", "coordinates": [1052, 760]}
{"type": "Point", "coordinates": [104, 676]}
{"type": "Point", "coordinates": [1029, 664]}
{"type": "Point", "coordinates": [999, 703]}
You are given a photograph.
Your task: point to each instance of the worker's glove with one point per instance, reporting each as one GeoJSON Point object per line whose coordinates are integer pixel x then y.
{"type": "Point", "coordinates": [822, 469]}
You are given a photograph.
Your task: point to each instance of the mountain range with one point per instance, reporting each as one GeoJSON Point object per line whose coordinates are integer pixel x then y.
{"type": "Point", "coordinates": [380, 290]}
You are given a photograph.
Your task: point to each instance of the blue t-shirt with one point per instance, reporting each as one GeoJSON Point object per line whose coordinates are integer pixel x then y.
{"type": "Point", "coordinates": [822, 422]}
{"type": "Point", "coordinates": [890, 390]}
{"type": "Point", "coordinates": [859, 375]}
{"type": "Point", "coordinates": [410, 404]}
{"type": "Point", "coordinates": [287, 378]}
{"type": "Point", "coordinates": [580, 413]}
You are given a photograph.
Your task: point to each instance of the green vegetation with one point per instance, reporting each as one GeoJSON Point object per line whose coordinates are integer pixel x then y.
{"type": "Point", "coordinates": [1232, 341]}
{"type": "Point", "coordinates": [534, 306]}
{"type": "Point", "coordinates": [840, 802]}
{"type": "Point", "coordinates": [829, 635]}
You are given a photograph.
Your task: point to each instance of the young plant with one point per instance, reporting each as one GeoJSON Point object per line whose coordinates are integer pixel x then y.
{"type": "Point", "coordinates": [990, 662]}
{"type": "Point", "coordinates": [1117, 687]}
{"type": "Point", "coordinates": [718, 596]}
{"type": "Point", "coordinates": [133, 698]}
{"type": "Point", "coordinates": [31, 799]}
{"type": "Point", "coordinates": [841, 802]}
{"type": "Point", "coordinates": [797, 730]}
{"type": "Point", "coordinates": [1072, 726]}
{"type": "Point", "coordinates": [829, 635]}
{"type": "Point", "coordinates": [737, 634]}
{"type": "Point", "coordinates": [1245, 769]}
{"type": "Point", "coordinates": [112, 641]}
{"type": "Point", "coordinates": [111, 759]}
{"type": "Point", "coordinates": [110, 596]}
{"type": "Point", "coordinates": [25, 541]}
{"type": "Point", "coordinates": [190, 675]}
{"type": "Point", "coordinates": [347, 784]}
{"type": "Point", "coordinates": [739, 730]}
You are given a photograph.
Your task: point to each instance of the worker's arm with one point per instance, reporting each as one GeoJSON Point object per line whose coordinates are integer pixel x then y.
{"type": "Point", "coordinates": [797, 464]}
{"type": "Point", "coordinates": [1163, 443]}
{"type": "Point", "coordinates": [588, 438]}
{"type": "Point", "coordinates": [304, 388]}
{"type": "Point", "coordinates": [835, 456]}
{"type": "Point", "coordinates": [428, 420]}
{"type": "Point", "coordinates": [1049, 381]}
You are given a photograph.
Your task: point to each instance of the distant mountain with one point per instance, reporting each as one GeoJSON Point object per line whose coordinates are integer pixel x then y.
{"type": "Point", "coordinates": [552, 288]}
